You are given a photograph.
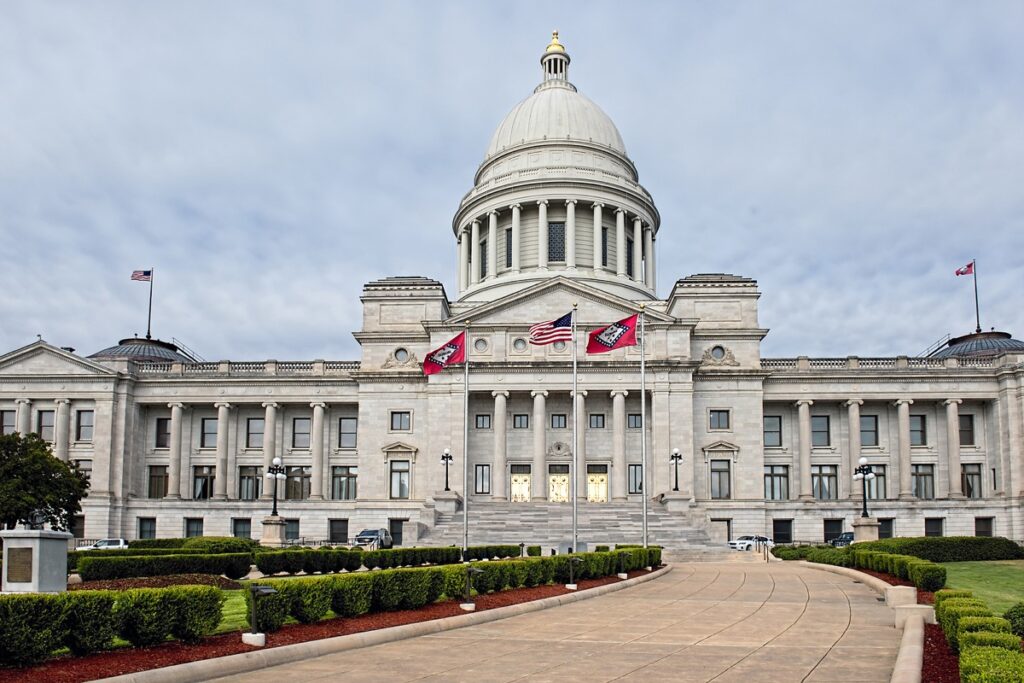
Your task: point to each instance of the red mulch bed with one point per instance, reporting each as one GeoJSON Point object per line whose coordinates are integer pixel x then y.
{"type": "Point", "coordinates": [69, 669]}
{"type": "Point", "coordinates": [158, 582]}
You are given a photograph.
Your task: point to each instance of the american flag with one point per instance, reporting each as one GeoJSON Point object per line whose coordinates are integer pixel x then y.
{"type": "Point", "coordinates": [552, 331]}
{"type": "Point", "coordinates": [142, 275]}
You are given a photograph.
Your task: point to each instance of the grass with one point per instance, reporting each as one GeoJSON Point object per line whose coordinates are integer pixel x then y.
{"type": "Point", "coordinates": [999, 583]}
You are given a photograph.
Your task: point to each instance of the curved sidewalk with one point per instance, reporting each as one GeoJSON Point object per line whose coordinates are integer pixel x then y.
{"type": "Point", "coordinates": [744, 622]}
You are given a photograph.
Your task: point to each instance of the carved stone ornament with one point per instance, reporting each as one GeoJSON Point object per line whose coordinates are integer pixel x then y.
{"type": "Point", "coordinates": [723, 356]}
{"type": "Point", "coordinates": [559, 449]}
{"type": "Point", "coordinates": [392, 362]}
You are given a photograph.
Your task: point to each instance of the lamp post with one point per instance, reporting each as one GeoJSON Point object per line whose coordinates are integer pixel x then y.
{"type": "Point", "coordinates": [274, 473]}
{"type": "Point", "coordinates": [446, 460]}
{"type": "Point", "coordinates": [864, 474]}
{"type": "Point", "coordinates": [676, 457]}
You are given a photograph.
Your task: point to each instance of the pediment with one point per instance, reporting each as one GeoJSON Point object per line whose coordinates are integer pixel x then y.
{"type": "Point", "coordinates": [720, 449]}
{"type": "Point", "coordinates": [399, 447]}
{"type": "Point", "coordinates": [42, 359]}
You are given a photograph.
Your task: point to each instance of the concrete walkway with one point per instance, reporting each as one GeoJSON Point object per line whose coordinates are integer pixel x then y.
{"type": "Point", "coordinates": [701, 622]}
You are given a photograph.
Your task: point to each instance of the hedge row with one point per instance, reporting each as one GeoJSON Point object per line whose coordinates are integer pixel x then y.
{"type": "Point", "coordinates": [309, 599]}
{"type": "Point", "coordinates": [949, 548]}
{"type": "Point", "coordinates": [489, 552]}
{"type": "Point", "coordinates": [924, 574]}
{"type": "Point", "coordinates": [328, 560]}
{"type": "Point", "coordinates": [209, 544]}
{"type": "Point", "coordinates": [75, 556]}
{"type": "Point", "coordinates": [33, 626]}
{"type": "Point", "coordinates": [232, 565]}
{"type": "Point", "coordinates": [989, 651]}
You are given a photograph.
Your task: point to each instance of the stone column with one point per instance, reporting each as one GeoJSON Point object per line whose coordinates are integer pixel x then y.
{"type": "Point", "coordinates": [619, 470]}
{"type": "Point", "coordinates": [570, 234]}
{"type": "Point", "coordinates": [853, 415]}
{"type": "Point", "coordinates": [174, 456]}
{"type": "Point", "coordinates": [652, 261]}
{"type": "Point", "coordinates": [542, 234]}
{"type": "Point", "coordinates": [463, 259]}
{"type": "Point", "coordinates": [499, 489]}
{"type": "Point", "coordinates": [620, 242]}
{"type": "Point", "coordinates": [474, 250]}
{"type": "Point", "coordinates": [516, 209]}
{"type": "Point", "coordinates": [269, 446]}
{"type": "Point", "coordinates": [953, 444]}
{"type": "Point", "coordinates": [24, 416]}
{"type": "Point", "coordinates": [580, 447]}
{"type": "Point", "coordinates": [649, 257]}
{"type": "Point", "coordinates": [597, 235]}
{"type": "Point", "coordinates": [220, 477]}
{"type": "Point", "coordinates": [903, 420]}
{"type": "Point", "coordinates": [638, 245]}
{"type": "Point", "coordinates": [540, 444]}
{"type": "Point", "coordinates": [492, 244]}
{"type": "Point", "coordinates": [316, 445]}
{"type": "Point", "coordinates": [62, 429]}
{"type": "Point", "coordinates": [804, 411]}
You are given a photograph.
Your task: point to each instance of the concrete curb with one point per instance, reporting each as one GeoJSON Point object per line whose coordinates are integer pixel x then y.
{"type": "Point", "coordinates": [259, 659]}
{"type": "Point", "coordinates": [911, 654]}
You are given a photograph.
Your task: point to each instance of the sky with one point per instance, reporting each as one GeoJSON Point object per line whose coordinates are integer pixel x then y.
{"type": "Point", "coordinates": [269, 158]}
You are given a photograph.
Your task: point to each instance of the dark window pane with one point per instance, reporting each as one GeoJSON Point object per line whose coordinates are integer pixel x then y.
{"type": "Point", "coordinates": [254, 432]}
{"type": "Point", "coordinates": [868, 430]}
{"type": "Point", "coordinates": [556, 242]}
{"type": "Point", "coordinates": [347, 429]}
{"type": "Point", "coordinates": [820, 435]}
{"type": "Point", "coordinates": [163, 432]}
{"type": "Point", "coordinates": [966, 430]}
{"type": "Point", "coordinates": [300, 432]}
{"type": "Point", "coordinates": [772, 431]}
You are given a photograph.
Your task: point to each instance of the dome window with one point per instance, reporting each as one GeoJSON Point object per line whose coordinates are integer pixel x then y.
{"type": "Point", "coordinates": [717, 352]}
{"type": "Point", "coordinates": [401, 354]}
{"type": "Point", "coordinates": [519, 344]}
{"type": "Point", "coordinates": [480, 345]}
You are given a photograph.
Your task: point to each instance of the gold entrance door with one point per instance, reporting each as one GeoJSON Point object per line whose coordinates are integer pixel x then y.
{"type": "Point", "coordinates": [597, 488]}
{"type": "Point", "coordinates": [521, 488]}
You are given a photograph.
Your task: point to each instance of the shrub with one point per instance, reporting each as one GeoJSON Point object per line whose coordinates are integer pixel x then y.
{"type": "Point", "coordinates": [950, 548]}
{"type": "Point", "coordinates": [352, 594]}
{"type": "Point", "coordinates": [994, 624]}
{"type": "Point", "coordinates": [601, 548]}
{"type": "Point", "coordinates": [533, 551]}
{"type": "Point", "coordinates": [308, 599]}
{"type": "Point", "coordinates": [1015, 615]}
{"type": "Point", "coordinates": [31, 627]}
{"type": "Point", "coordinates": [454, 581]}
{"type": "Point", "coordinates": [947, 593]}
{"type": "Point", "coordinates": [833, 556]}
{"type": "Point", "coordinates": [991, 665]}
{"type": "Point", "coordinates": [970, 639]}
{"type": "Point", "coordinates": [196, 611]}
{"type": "Point", "coordinates": [400, 589]}
{"type": "Point", "coordinates": [156, 543]}
{"type": "Point", "coordinates": [927, 576]}
{"type": "Point", "coordinates": [950, 603]}
{"type": "Point", "coordinates": [952, 612]}
{"type": "Point", "coordinates": [371, 559]}
{"type": "Point", "coordinates": [271, 610]}
{"type": "Point", "coordinates": [214, 545]}
{"type": "Point", "coordinates": [234, 566]}
{"type": "Point", "coordinates": [534, 573]}
{"type": "Point", "coordinates": [144, 616]}
{"type": "Point", "coordinates": [654, 556]}
{"type": "Point", "coordinates": [90, 621]}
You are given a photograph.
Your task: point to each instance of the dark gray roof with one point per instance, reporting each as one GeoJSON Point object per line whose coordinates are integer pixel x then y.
{"type": "Point", "coordinates": [980, 344]}
{"type": "Point", "coordinates": [142, 351]}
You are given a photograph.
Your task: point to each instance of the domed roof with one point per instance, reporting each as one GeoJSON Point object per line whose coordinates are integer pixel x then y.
{"type": "Point", "coordinates": [142, 351]}
{"type": "Point", "coordinates": [980, 344]}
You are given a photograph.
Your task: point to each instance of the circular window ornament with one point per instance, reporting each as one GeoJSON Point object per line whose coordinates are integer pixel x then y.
{"type": "Point", "coordinates": [519, 344]}
{"type": "Point", "coordinates": [480, 345]}
{"type": "Point", "coordinates": [401, 354]}
{"type": "Point", "coordinates": [717, 352]}
{"type": "Point", "coordinates": [559, 346]}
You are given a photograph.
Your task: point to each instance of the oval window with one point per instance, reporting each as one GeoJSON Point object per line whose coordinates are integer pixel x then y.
{"type": "Point", "coordinates": [519, 344]}
{"type": "Point", "coordinates": [480, 345]}
{"type": "Point", "coordinates": [717, 352]}
{"type": "Point", "coordinates": [401, 354]}
{"type": "Point", "coordinates": [559, 346]}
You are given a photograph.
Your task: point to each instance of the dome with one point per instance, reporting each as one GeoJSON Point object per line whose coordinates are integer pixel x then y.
{"type": "Point", "coordinates": [980, 344]}
{"type": "Point", "coordinates": [142, 351]}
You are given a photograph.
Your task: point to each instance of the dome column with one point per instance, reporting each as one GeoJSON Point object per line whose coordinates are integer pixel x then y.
{"type": "Point", "coordinates": [516, 209]}
{"type": "Point", "coordinates": [620, 242]}
{"type": "Point", "coordinates": [598, 234]}
{"type": "Point", "coordinates": [649, 257]}
{"type": "Point", "coordinates": [953, 446]}
{"type": "Point", "coordinates": [492, 245]}
{"type": "Point", "coordinates": [474, 259]}
{"type": "Point", "coordinates": [570, 234]}
{"type": "Point", "coordinates": [539, 469]}
{"type": "Point", "coordinates": [542, 234]}
{"type": "Point", "coordinates": [463, 259]}
{"type": "Point", "coordinates": [638, 243]}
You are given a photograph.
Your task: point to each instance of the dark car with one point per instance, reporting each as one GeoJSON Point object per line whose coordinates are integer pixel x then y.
{"type": "Point", "coordinates": [375, 538]}
{"type": "Point", "coordinates": [842, 540]}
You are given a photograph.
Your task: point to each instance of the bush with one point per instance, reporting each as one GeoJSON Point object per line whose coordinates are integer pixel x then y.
{"type": "Point", "coordinates": [955, 609]}
{"type": "Point", "coordinates": [196, 611]}
{"type": "Point", "coordinates": [601, 548]}
{"type": "Point", "coordinates": [994, 624]}
{"type": "Point", "coordinates": [950, 548]}
{"type": "Point", "coordinates": [1015, 615]}
{"type": "Point", "coordinates": [156, 543]}
{"type": "Point", "coordinates": [308, 599]}
{"type": "Point", "coordinates": [214, 545]}
{"type": "Point", "coordinates": [970, 639]}
{"type": "Point", "coordinates": [834, 556]}
{"type": "Point", "coordinates": [926, 575]}
{"type": "Point", "coordinates": [271, 610]}
{"type": "Point", "coordinates": [234, 566]}
{"type": "Point", "coordinates": [89, 620]}
{"type": "Point", "coordinates": [352, 595]}
{"type": "Point", "coordinates": [991, 665]}
{"type": "Point", "coordinates": [144, 616]}
{"type": "Point", "coordinates": [947, 593]}
{"type": "Point", "coordinates": [454, 581]}
{"type": "Point", "coordinates": [533, 551]}
{"type": "Point", "coordinates": [31, 627]}
{"type": "Point", "coordinates": [401, 589]}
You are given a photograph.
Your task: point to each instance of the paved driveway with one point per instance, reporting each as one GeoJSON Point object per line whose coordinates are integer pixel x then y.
{"type": "Point", "coordinates": [701, 622]}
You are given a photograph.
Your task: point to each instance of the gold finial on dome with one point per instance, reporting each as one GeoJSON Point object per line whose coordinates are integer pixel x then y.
{"type": "Point", "coordinates": [554, 46]}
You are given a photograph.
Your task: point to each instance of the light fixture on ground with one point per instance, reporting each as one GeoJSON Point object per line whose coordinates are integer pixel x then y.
{"type": "Point", "coordinates": [573, 561]}
{"type": "Point", "coordinates": [467, 603]}
{"type": "Point", "coordinates": [864, 475]}
{"type": "Point", "coordinates": [446, 460]}
{"type": "Point", "coordinates": [275, 473]}
{"type": "Point", "coordinates": [255, 638]}
{"type": "Point", "coordinates": [676, 457]}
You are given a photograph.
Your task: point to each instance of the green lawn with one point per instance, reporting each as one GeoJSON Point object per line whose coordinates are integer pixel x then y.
{"type": "Point", "coordinates": [999, 583]}
{"type": "Point", "coordinates": [233, 613]}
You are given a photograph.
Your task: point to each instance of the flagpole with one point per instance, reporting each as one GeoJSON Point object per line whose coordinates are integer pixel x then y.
{"type": "Point", "coordinates": [575, 443]}
{"type": "Point", "coordinates": [152, 276]}
{"type": "Point", "coordinates": [643, 422]}
{"type": "Point", "coordinates": [977, 311]}
{"type": "Point", "coordinates": [465, 448]}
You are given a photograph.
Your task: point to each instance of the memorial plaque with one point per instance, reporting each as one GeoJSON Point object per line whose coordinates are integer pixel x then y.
{"type": "Point", "coordinates": [19, 565]}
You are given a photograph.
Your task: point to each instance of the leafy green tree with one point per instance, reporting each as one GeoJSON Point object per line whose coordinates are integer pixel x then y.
{"type": "Point", "coordinates": [33, 480]}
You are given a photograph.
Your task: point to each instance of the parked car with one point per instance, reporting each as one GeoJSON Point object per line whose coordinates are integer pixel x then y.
{"type": "Point", "coordinates": [751, 543]}
{"type": "Point", "coordinates": [107, 544]}
{"type": "Point", "coordinates": [842, 540]}
{"type": "Point", "coordinates": [378, 538]}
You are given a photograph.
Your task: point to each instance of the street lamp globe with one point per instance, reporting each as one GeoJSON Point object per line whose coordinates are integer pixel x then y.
{"type": "Point", "coordinates": [863, 460]}
{"type": "Point", "coordinates": [675, 451]}
{"type": "Point", "coordinates": [446, 455]}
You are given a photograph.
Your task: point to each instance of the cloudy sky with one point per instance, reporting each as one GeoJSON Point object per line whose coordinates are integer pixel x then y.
{"type": "Point", "coordinates": [270, 158]}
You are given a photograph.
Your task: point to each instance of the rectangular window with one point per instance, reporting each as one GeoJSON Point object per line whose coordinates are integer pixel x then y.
{"type": "Point", "coordinates": [820, 434]}
{"type": "Point", "coordinates": [885, 527]}
{"type": "Point", "coordinates": [508, 248]}
{"type": "Point", "coordinates": [85, 467]}
{"type": "Point", "coordinates": [193, 527]}
{"type": "Point", "coordinates": [983, 526]}
{"type": "Point", "coordinates": [634, 421]}
{"type": "Point", "coordinates": [970, 480]}
{"type": "Point", "coordinates": [782, 530]}
{"type": "Point", "coordinates": [773, 431]}
{"type": "Point", "coordinates": [78, 526]}
{"type": "Point", "coordinates": [482, 478]}
{"type": "Point", "coordinates": [629, 257]}
{"type": "Point", "coordinates": [157, 481]}
{"type": "Point", "coordinates": [918, 432]}
{"type": "Point", "coordinates": [933, 526]}
{"type": "Point", "coordinates": [291, 530]}
{"type": "Point", "coordinates": [400, 472]}
{"type": "Point", "coordinates": [521, 421]}
{"type": "Point", "coordinates": [343, 482]}
{"type": "Point", "coordinates": [825, 481]}
{"type": "Point", "coordinates": [966, 430]}
{"type": "Point", "coordinates": [337, 530]}
{"type": "Point", "coordinates": [208, 436]}
{"type": "Point", "coordinates": [401, 420]}
{"type": "Point", "coordinates": [720, 488]}
{"type": "Point", "coordinates": [868, 430]}
{"type": "Point", "coordinates": [297, 484]}
{"type": "Point", "coordinates": [556, 242]}
{"type": "Point", "coordinates": [876, 486]}
{"type": "Point", "coordinates": [83, 425]}
{"type": "Point", "coordinates": [923, 480]}
{"type": "Point", "coordinates": [147, 527]}
{"type": "Point", "coordinates": [597, 420]}
{"type": "Point", "coordinates": [7, 422]}
{"type": "Point", "coordinates": [483, 259]}
{"type": "Point", "coordinates": [604, 247]}
{"type": "Point", "coordinates": [202, 482]}
{"type": "Point", "coordinates": [347, 428]}
{"type": "Point", "coordinates": [254, 432]}
{"type": "Point", "coordinates": [719, 419]}
{"type": "Point", "coordinates": [832, 528]}
{"type": "Point", "coordinates": [558, 421]}
{"type": "Point", "coordinates": [301, 429]}
{"type": "Point", "coordinates": [483, 421]}
{"type": "Point", "coordinates": [44, 425]}
{"type": "Point", "coordinates": [241, 527]}
{"type": "Point", "coordinates": [250, 482]}
{"type": "Point", "coordinates": [636, 478]}
{"type": "Point", "coordinates": [776, 482]}
{"type": "Point", "coordinates": [163, 432]}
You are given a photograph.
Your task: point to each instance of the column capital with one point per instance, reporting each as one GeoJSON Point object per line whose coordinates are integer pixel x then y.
{"type": "Point", "coordinates": [638, 219]}
{"type": "Point", "coordinates": [539, 392]}
{"type": "Point", "coordinates": [570, 201]}
{"type": "Point", "coordinates": [492, 212]}
{"type": "Point", "coordinates": [317, 404]}
{"type": "Point", "coordinates": [222, 404]}
{"type": "Point", "coordinates": [271, 404]}
{"type": "Point", "coordinates": [23, 401]}
{"type": "Point", "coordinates": [62, 401]}
{"type": "Point", "coordinates": [597, 205]}
{"type": "Point", "coordinates": [581, 393]}
{"type": "Point", "coordinates": [176, 405]}
{"type": "Point", "coordinates": [542, 202]}
{"type": "Point", "coordinates": [620, 210]}
{"type": "Point", "coordinates": [804, 402]}
{"type": "Point", "coordinates": [515, 207]}
{"type": "Point", "coordinates": [499, 392]}
{"type": "Point", "coordinates": [903, 401]}
{"type": "Point", "coordinates": [475, 222]}
{"type": "Point", "coordinates": [464, 231]}
{"type": "Point", "coordinates": [952, 401]}
{"type": "Point", "coordinates": [854, 402]}
{"type": "Point", "coordinates": [618, 392]}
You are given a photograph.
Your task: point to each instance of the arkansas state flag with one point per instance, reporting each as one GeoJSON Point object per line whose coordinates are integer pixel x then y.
{"type": "Point", "coordinates": [966, 270]}
{"type": "Point", "coordinates": [450, 354]}
{"type": "Point", "coordinates": [615, 336]}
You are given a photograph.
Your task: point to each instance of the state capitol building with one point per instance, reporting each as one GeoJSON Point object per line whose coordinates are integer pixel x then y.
{"type": "Point", "coordinates": [556, 216]}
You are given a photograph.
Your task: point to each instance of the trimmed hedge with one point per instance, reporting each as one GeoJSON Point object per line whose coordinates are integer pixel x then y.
{"type": "Point", "coordinates": [923, 574]}
{"type": "Point", "coordinates": [215, 545]}
{"type": "Point", "coordinates": [234, 566]}
{"type": "Point", "coordinates": [970, 639]}
{"type": "Point", "coordinates": [533, 551]}
{"type": "Point", "coordinates": [31, 627]}
{"type": "Point", "coordinates": [329, 561]}
{"type": "Point", "coordinates": [991, 665]}
{"type": "Point", "coordinates": [1015, 615]}
{"type": "Point", "coordinates": [949, 548]}
{"type": "Point", "coordinates": [989, 651]}
{"type": "Point", "coordinates": [489, 552]}
{"type": "Point", "coordinates": [88, 616]}
{"type": "Point", "coordinates": [156, 543]}
{"type": "Point", "coordinates": [75, 556]}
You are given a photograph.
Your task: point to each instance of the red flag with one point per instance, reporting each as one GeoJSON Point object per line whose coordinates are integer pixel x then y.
{"type": "Point", "coordinates": [966, 270]}
{"type": "Point", "coordinates": [452, 353]}
{"type": "Point", "coordinates": [615, 336]}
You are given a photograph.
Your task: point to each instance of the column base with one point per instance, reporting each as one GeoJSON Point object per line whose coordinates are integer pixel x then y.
{"type": "Point", "coordinates": [173, 496]}
{"type": "Point", "coordinates": [865, 529]}
{"type": "Point", "coordinates": [907, 496]}
{"type": "Point", "coordinates": [447, 502]}
{"type": "Point", "coordinates": [956, 496]}
{"type": "Point", "coordinates": [316, 497]}
{"type": "Point", "coordinates": [806, 498]}
{"type": "Point", "coordinates": [676, 501]}
{"type": "Point", "coordinates": [220, 496]}
{"type": "Point", "coordinates": [273, 532]}
{"type": "Point", "coordinates": [499, 499]}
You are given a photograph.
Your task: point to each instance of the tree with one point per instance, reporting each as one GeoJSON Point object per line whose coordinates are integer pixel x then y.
{"type": "Point", "coordinates": [33, 480]}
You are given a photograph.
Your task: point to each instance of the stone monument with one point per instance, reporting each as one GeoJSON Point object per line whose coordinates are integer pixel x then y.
{"type": "Point", "coordinates": [35, 561]}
